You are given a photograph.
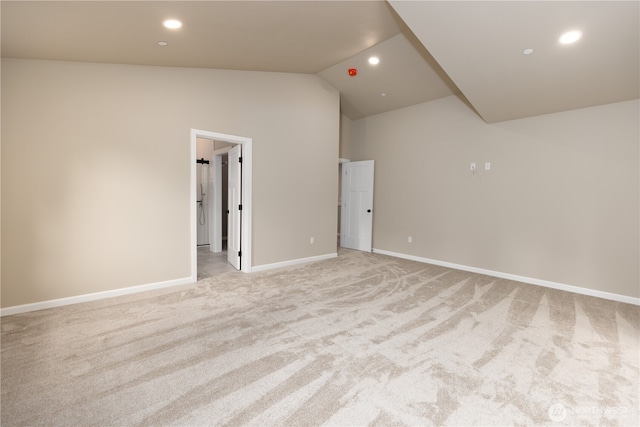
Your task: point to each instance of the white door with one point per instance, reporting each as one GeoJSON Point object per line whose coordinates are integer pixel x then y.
{"type": "Point", "coordinates": [234, 251]}
{"type": "Point", "coordinates": [357, 205]}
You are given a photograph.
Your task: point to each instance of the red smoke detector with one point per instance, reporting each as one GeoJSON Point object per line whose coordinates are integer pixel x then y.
{"type": "Point", "coordinates": [353, 72]}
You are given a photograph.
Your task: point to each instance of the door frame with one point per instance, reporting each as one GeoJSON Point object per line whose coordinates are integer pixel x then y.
{"type": "Point", "coordinates": [245, 230]}
{"type": "Point", "coordinates": [234, 206]}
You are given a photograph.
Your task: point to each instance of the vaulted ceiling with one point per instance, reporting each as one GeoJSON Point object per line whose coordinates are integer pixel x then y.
{"type": "Point", "coordinates": [481, 47]}
{"type": "Point", "coordinates": [427, 49]}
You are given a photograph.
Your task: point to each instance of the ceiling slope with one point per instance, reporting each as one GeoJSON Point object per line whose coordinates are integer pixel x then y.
{"type": "Point", "coordinates": [480, 46]}
{"type": "Point", "coordinates": [406, 75]}
{"type": "Point", "coordinates": [279, 36]}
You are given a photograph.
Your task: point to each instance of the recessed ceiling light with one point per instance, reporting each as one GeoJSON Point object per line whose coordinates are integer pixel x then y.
{"type": "Point", "coordinates": [172, 24]}
{"type": "Point", "coordinates": [374, 60]}
{"type": "Point", "coordinates": [383, 94]}
{"type": "Point", "coordinates": [163, 43]}
{"type": "Point", "coordinates": [528, 51]}
{"type": "Point", "coordinates": [570, 37]}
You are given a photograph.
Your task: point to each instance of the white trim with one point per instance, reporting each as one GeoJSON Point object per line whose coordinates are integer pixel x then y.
{"type": "Point", "coordinates": [289, 263]}
{"type": "Point", "coordinates": [247, 206]}
{"type": "Point", "coordinates": [8, 311]}
{"type": "Point", "coordinates": [18, 309]}
{"type": "Point", "coordinates": [193, 210]}
{"type": "Point", "coordinates": [508, 276]}
{"type": "Point", "coordinates": [247, 191]}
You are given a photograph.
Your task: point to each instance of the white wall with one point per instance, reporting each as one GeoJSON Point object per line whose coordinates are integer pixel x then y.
{"type": "Point", "coordinates": [345, 136]}
{"type": "Point", "coordinates": [560, 203]}
{"type": "Point", "coordinates": [96, 161]}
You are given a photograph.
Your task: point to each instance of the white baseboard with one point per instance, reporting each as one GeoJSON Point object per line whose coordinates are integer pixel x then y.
{"type": "Point", "coordinates": [265, 267]}
{"type": "Point", "coordinates": [538, 282]}
{"type": "Point", "coordinates": [8, 311]}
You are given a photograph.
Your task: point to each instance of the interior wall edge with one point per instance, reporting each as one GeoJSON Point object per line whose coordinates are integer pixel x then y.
{"type": "Point", "coordinates": [265, 267]}
{"type": "Point", "coordinates": [529, 280]}
{"type": "Point", "coordinates": [60, 302]}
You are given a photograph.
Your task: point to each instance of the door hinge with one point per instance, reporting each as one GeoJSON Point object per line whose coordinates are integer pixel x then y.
{"type": "Point", "coordinates": [239, 254]}
{"type": "Point", "coordinates": [239, 159]}
{"type": "Point", "coordinates": [240, 207]}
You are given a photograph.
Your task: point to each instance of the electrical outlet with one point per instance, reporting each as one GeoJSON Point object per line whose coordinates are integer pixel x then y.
{"type": "Point", "coordinates": [312, 240]}
{"type": "Point", "coordinates": [410, 239]}
{"type": "Point", "coordinates": [487, 166]}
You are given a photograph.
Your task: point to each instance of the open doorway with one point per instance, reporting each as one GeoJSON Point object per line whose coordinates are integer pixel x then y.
{"type": "Point", "coordinates": [207, 203]}
{"type": "Point", "coordinates": [212, 206]}
{"type": "Point", "coordinates": [212, 174]}
{"type": "Point", "coordinates": [210, 186]}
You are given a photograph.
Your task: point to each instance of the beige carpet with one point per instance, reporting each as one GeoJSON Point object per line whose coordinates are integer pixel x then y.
{"type": "Point", "coordinates": [361, 339]}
